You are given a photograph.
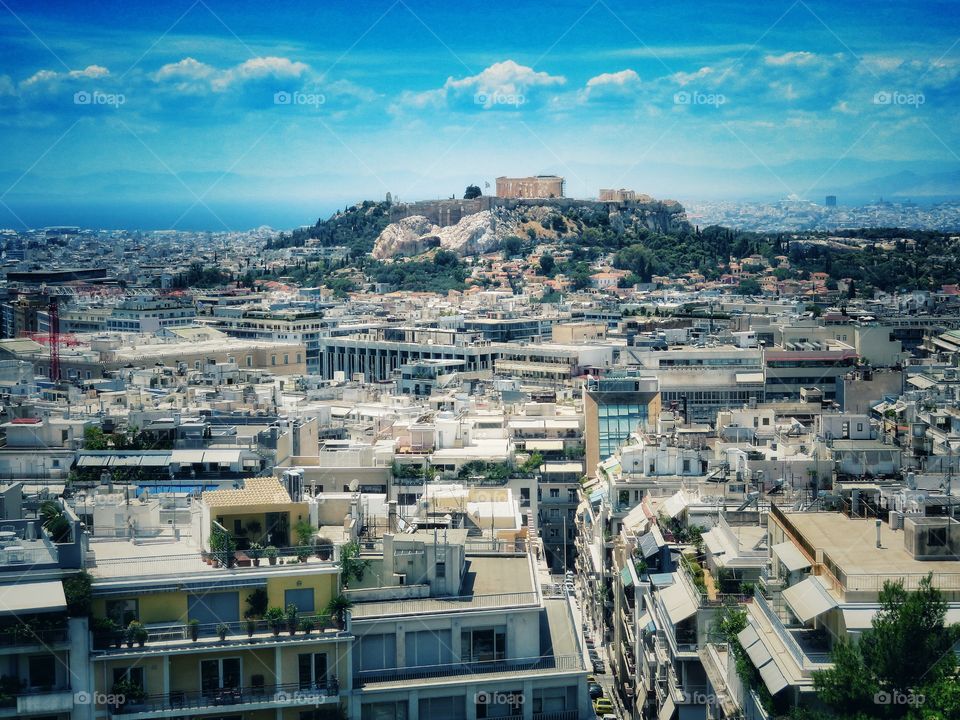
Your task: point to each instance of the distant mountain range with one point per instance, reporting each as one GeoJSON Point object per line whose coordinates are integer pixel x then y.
{"type": "Point", "coordinates": [904, 185]}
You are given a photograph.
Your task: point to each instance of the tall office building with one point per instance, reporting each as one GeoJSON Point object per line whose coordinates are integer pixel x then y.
{"type": "Point", "coordinates": [615, 406]}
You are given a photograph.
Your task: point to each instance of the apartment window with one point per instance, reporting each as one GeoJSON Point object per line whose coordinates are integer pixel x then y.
{"type": "Point", "coordinates": [273, 359]}
{"type": "Point", "coordinates": [123, 612]}
{"type": "Point", "coordinates": [554, 492]}
{"type": "Point", "coordinates": [480, 644]}
{"type": "Point", "coordinates": [301, 597]}
{"type": "Point", "coordinates": [312, 668]}
{"type": "Point", "coordinates": [766, 421]}
{"type": "Point", "coordinates": [859, 427]}
{"type": "Point", "coordinates": [42, 670]}
{"type": "Point", "coordinates": [220, 674]}
{"type": "Point", "coordinates": [249, 360]}
{"type": "Point", "coordinates": [395, 710]}
{"type": "Point", "coordinates": [299, 358]}
{"type": "Point", "coordinates": [286, 359]}
{"type": "Point", "coordinates": [502, 704]}
{"type": "Point", "coordinates": [129, 674]}
{"type": "Point", "coordinates": [937, 537]}
{"type": "Point", "coordinates": [686, 466]}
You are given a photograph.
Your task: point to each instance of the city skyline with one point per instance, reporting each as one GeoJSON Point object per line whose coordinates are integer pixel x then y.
{"type": "Point", "coordinates": [209, 115]}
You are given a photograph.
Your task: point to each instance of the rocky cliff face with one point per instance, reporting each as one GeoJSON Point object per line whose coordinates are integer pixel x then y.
{"type": "Point", "coordinates": [483, 231]}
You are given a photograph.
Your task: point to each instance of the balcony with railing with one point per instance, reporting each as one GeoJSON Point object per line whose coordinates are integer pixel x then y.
{"type": "Point", "coordinates": [457, 604]}
{"type": "Point", "coordinates": [803, 644]}
{"type": "Point", "coordinates": [24, 701]}
{"type": "Point", "coordinates": [24, 636]}
{"type": "Point", "coordinates": [218, 700]}
{"type": "Point", "coordinates": [510, 667]}
{"type": "Point", "coordinates": [164, 638]}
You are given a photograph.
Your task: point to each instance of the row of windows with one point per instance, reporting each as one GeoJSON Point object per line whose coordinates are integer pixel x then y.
{"type": "Point", "coordinates": [221, 674]}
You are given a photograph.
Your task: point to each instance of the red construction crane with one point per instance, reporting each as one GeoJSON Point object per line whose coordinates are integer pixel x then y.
{"type": "Point", "coordinates": [53, 293]}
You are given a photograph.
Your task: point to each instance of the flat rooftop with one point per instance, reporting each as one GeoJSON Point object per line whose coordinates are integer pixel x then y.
{"type": "Point", "coordinates": [851, 543]}
{"type": "Point", "coordinates": [500, 581]}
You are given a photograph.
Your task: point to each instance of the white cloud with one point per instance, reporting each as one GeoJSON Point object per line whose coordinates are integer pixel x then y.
{"type": "Point", "coordinates": [506, 83]}
{"type": "Point", "coordinates": [191, 74]}
{"type": "Point", "coordinates": [41, 77]}
{"type": "Point", "coordinates": [619, 79]}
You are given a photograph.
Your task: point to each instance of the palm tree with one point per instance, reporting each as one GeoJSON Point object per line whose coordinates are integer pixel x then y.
{"type": "Point", "coordinates": [337, 608]}
{"type": "Point", "coordinates": [54, 521]}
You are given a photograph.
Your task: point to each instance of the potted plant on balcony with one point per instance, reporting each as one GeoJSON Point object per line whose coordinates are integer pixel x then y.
{"type": "Point", "coordinates": [255, 552]}
{"type": "Point", "coordinates": [128, 692]}
{"type": "Point", "coordinates": [351, 565]}
{"type": "Point", "coordinates": [222, 630]}
{"type": "Point", "coordinates": [337, 609]}
{"type": "Point", "coordinates": [270, 552]}
{"type": "Point", "coordinates": [291, 615]}
{"type": "Point", "coordinates": [194, 627]}
{"type": "Point", "coordinates": [324, 546]}
{"type": "Point", "coordinates": [307, 625]}
{"type": "Point", "coordinates": [276, 618]}
{"type": "Point", "coordinates": [136, 633]}
{"type": "Point", "coordinates": [251, 626]}
{"type": "Point", "coordinates": [105, 631]}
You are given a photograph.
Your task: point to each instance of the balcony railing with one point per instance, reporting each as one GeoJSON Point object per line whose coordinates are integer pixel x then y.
{"type": "Point", "coordinates": [419, 606]}
{"type": "Point", "coordinates": [557, 715]}
{"type": "Point", "coordinates": [289, 694]}
{"type": "Point", "coordinates": [512, 665]}
{"type": "Point", "coordinates": [236, 631]}
{"type": "Point", "coordinates": [25, 635]}
{"type": "Point", "coordinates": [9, 699]}
{"type": "Point", "coordinates": [805, 660]}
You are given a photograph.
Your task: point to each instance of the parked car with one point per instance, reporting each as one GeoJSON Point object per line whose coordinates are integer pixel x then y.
{"type": "Point", "coordinates": [602, 705]}
{"type": "Point", "coordinates": [595, 691]}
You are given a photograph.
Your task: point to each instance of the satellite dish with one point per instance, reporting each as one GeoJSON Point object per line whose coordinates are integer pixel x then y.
{"type": "Point", "coordinates": [354, 485]}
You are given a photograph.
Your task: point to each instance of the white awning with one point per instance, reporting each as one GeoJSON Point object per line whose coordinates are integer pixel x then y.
{"type": "Point", "coordinates": [773, 678]}
{"type": "Point", "coordinates": [711, 539]}
{"type": "Point", "coordinates": [748, 636]}
{"type": "Point", "coordinates": [32, 597]}
{"type": "Point", "coordinates": [187, 457]}
{"type": "Point", "coordinates": [666, 711]}
{"type": "Point", "coordinates": [808, 599]}
{"type": "Point", "coordinates": [678, 602]}
{"type": "Point", "coordinates": [223, 457]}
{"type": "Point", "coordinates": [858, 619]}
{"type": "Point", "coordinates": [762, 660]}
{"type": "Point", "coordinates": [749, 378]}
{"type": "Point", "coordinates": [636, 520]}
{"type": "Point", "coordinates": [790, 556]}
{"type": "Point", "coordinates": [548, 445]}
{"type": "Point", "coordinates": [675, 504]}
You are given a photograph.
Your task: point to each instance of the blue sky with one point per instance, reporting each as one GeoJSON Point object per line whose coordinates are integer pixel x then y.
{"type": "Point", "coordinates": [207, 114]}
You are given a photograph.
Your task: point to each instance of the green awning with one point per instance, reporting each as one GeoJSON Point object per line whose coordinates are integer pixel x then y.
{"type": "Point", "coordinates": [626, 577]}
